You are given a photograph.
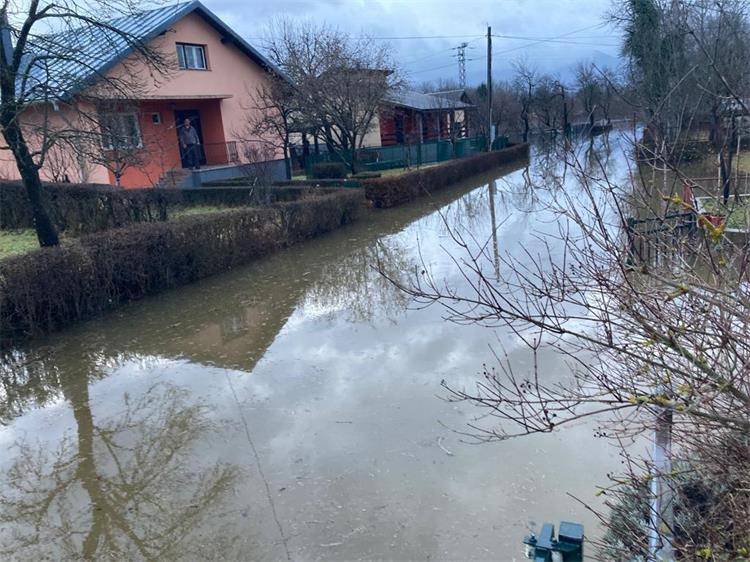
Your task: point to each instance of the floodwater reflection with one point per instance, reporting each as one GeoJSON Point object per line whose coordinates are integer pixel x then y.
{"type": "Point", "coordinates": [288, 410]}
{"type": "Point", "coordinates": [115, 485]}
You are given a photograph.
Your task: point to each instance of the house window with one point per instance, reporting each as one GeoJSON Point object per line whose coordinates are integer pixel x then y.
{"type": "Point", "coordinates": [120, 131]}
{"type": "Point", "coordinates": [191, 57]}
{"type": "Point", "coordinates": [156, 118]}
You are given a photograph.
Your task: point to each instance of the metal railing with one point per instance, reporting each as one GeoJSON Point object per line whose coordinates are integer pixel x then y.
{"type": "Point", "coordinates": [402, 155]}
{"type": "Point", "coordinates": [218, 153]}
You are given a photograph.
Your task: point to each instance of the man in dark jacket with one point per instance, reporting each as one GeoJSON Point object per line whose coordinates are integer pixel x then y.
{"type": "Point", "coordinates": [190, 145]}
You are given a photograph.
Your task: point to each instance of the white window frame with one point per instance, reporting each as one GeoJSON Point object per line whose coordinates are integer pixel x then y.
{"type": "Point", "coordinates": [120, 116]}
{"type": "Point", "coordinates": [191, 61]}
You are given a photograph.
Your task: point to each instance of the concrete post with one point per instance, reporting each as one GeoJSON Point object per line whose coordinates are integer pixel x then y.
{"type": "Point", "coordinates": [662, 507]}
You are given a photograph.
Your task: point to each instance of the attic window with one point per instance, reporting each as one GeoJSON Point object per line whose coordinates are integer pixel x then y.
{"type": "Point", "coordinates": [191, 57]}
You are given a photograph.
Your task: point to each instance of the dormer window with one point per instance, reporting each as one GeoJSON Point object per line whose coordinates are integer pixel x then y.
{"type": "Point", "coordinates": [191, 57]}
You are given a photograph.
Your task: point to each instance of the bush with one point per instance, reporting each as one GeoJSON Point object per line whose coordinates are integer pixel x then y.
{"type": "Point", "coordinates": [45, 289]}
{"type": "Point", "coordinates": [85, 208]}
{"type": "Point", "coordinates": [366, 175]}
{"type": "Point", "coordinates": [390, 191]}
{"type": "Point", "coordinates": [328, 170]}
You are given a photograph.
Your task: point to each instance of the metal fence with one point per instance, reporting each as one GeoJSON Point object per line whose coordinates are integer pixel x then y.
{"type": "Point", "coordinates": [653, 240]}
{"type": "Point", "coordinates": [402, 155]}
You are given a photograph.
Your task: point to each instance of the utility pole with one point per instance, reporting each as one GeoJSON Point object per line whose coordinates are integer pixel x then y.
{"type": "Point", "coordinates": [462, 64]}
{"type": "Point", "coordinates": [489, 88]}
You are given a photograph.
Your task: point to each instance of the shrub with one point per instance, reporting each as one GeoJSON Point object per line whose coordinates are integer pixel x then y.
{"type": "Point", "coordinates": [85, 208]}
{"type": "Point", "coordinates": [390, 191]}
{"type": "Point", "coordinates": [45, 289]}
{"type": "Point", "coordinates": [366, 175]}
{"type": "Point", "coordinates": [328, 170]}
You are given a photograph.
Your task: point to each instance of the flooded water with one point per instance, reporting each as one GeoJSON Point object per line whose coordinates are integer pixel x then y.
{"type": "Point", "coordinates": [289, 410]}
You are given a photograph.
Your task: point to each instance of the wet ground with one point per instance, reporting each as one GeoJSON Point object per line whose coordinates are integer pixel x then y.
{"type": "Point", "coordinates": [289, 410]}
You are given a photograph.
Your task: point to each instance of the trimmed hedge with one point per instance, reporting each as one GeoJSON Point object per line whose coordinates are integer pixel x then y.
{"type": "Point", "coordinates": [390, 191]}
{"type": "Point", "coordinates": [86, 208]}
{"type": "Point", "coordinates": [48, 288]}
{"type": "Point", "coordinates": [328, 171]}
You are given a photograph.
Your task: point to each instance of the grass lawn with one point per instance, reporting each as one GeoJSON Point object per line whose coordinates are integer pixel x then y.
{"type": "Point", "coordinates": [399, 171]}
{"type": "Point", "coordinates": [737, 214]}
{"type": "Point", "coordinates": [198, 210]}
{"type": "Point", "coordinates": [14, 242]}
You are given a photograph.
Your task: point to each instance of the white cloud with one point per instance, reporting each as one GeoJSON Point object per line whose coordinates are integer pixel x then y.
{"type": "Point", "coordinates": [429, 59]}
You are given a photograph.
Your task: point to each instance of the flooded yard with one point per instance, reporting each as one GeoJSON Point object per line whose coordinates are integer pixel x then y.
{"type": "Point", "coordinates": [291, 410]}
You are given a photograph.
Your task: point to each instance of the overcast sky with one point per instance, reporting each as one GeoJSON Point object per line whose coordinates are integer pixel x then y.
{"type": "Point", "coordinates": [576, 25]}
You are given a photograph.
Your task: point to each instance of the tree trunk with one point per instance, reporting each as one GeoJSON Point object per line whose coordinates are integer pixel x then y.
{"type": "Point", "coordinates": [725, 168]}
{"type": "Point", "coordinates": [287, 161]}
{"type": "Point", "coordinates": [45, 230]}
{"type": "Point", "coordinates": [525, 128]}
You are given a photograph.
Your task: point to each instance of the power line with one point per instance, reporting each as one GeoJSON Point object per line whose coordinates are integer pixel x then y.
{"type": "Point", "coordinates": [442, 51]}
{"type": "Point", "coordinates": [531, 44]}
{"type": "Point", "coordinates": [406, 37]}
{"type": "Point", "coordinates": [567, 42]}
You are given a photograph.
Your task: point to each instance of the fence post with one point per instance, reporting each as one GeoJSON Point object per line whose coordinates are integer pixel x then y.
{"type": "Point", "coordinates": [662, 509]}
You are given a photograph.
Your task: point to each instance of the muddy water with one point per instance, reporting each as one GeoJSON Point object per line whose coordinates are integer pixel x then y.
{"type": "Point", "coordinates": [290, 410]}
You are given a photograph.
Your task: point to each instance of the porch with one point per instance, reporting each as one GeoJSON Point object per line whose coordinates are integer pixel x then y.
{"type": "Point", "coordinates": [159, 154]}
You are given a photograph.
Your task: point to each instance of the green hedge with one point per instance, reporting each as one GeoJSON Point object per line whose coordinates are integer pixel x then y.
{"type": "Point", "coordinates": [389, 191]}
{"type": "Point", "coordinates": [328, 171]}
{"type": "Point", "coordinates": [86, 208]}
{"type": "Point", "coordinates": [45, 289]}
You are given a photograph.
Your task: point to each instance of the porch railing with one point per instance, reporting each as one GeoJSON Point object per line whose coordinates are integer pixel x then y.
{"type": "Point", "coordinates": [218, 153]}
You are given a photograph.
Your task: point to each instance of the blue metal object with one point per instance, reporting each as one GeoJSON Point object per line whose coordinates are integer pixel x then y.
{"type": "Point", "coordinates": [567, 547]}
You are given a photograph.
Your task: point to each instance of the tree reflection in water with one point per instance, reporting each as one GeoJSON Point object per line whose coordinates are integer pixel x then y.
{"type": "Point", "coordinates": [119, 487]}
{"type": "Point", "coordinates": [352, 283]}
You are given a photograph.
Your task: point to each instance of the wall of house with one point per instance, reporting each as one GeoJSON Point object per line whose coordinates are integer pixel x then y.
{"type": "Point", "coordinates": [430, 121]}
{"type": "Point", "coordinates": [231, 75]}
{"type": "Point", "coordinates": [60, 163]}
{"type": "Point", "coordinates": [160, 141]}
{"type": "Point", "coordinates": [388, 117]}
{"type": "Point", "coordinates": [372, 138]}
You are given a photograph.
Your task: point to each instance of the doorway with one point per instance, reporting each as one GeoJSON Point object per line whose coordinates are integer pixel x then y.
{"type": "Point", "coordinates": [195, 121]}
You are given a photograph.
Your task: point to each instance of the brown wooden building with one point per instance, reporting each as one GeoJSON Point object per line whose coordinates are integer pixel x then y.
{"type": "Point", "coordinates": [412, 117]}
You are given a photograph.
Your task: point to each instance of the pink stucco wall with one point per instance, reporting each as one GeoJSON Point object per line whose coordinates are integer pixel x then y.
{"type": "Point", "coordinates": [231, 75]}
{"type": "Point", "coordinates": [230, 72]}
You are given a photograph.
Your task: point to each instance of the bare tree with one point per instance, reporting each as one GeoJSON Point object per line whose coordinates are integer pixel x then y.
{"type": "Point", "coordinates": [524, 84]}
{"type": "Point", "coordinates": [274, 115]}
{"type": "Point", "coordinates": [588, 90]}
{"type": "Point", "coordinates": [340, 81]}
{"type": "Point", "coordinates": [649, 320]}
{"type": "Point", "coordinates": [50, 63]}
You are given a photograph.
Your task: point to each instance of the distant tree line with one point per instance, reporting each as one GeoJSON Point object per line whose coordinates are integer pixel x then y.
{"type": "Point", "coordinates": [535, 102]}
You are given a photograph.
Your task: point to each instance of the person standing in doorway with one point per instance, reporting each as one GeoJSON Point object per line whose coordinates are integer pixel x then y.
{"type": "Point", "coordinates": [190, 145]}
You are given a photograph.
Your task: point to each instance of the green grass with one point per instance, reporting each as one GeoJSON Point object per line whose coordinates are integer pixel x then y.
{"type": "Point", "coordinates": [13, 242]}
{"type": "Point", "coordinates": [399, 171]}
{"type": "Point", "coordinates": [198, 210]}
{"type": "Point", "coordinates": [737, 214]}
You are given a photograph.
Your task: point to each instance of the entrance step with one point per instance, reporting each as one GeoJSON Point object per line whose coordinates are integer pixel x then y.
{"type": "Point", "coordinates": [176, 178]}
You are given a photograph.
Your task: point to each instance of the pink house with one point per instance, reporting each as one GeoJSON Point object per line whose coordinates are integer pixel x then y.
{"type": "Point", "coordinates": [214, 75]}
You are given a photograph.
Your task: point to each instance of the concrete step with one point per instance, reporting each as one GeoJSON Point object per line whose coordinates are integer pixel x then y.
{"type": "Point", "coordinates": [174, 179]}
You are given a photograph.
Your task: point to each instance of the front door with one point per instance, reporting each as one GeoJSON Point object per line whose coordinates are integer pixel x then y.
{"type": "Point", "coordinates": [195, 121]}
